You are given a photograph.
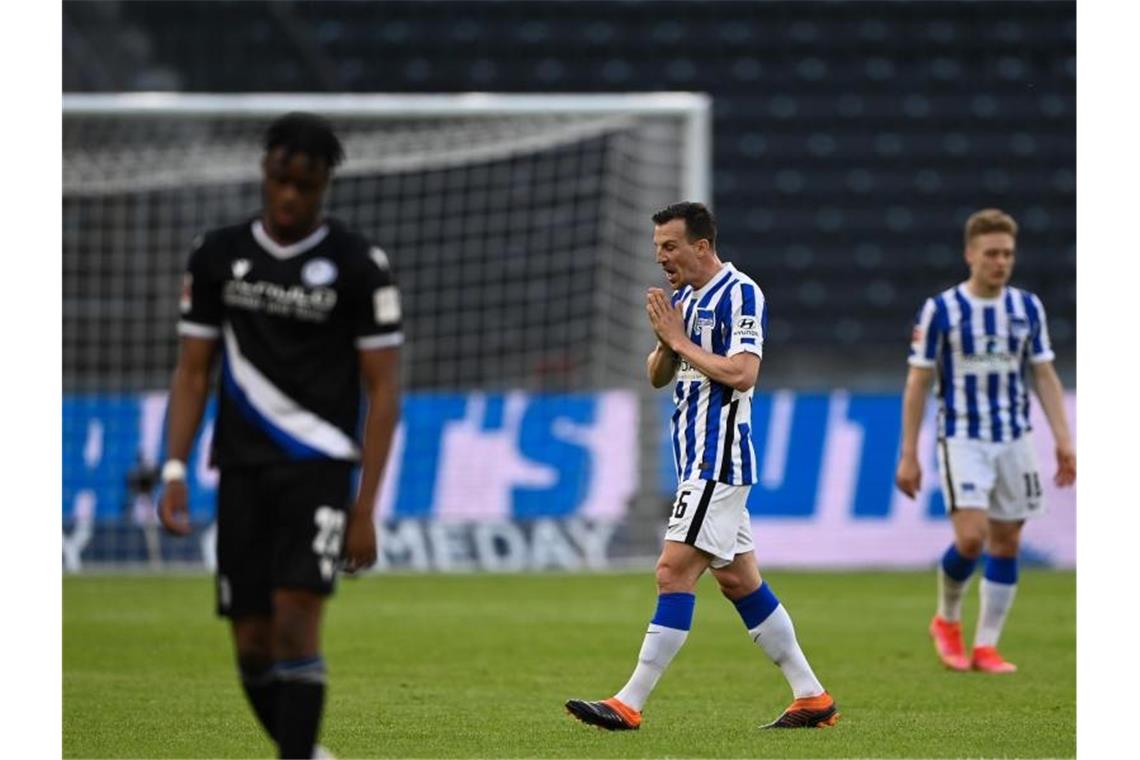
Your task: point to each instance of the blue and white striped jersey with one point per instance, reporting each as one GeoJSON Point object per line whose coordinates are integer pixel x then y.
{"type": "Point", "coordinates": [712, 424]}
{"type": "Point", "coordinates": [981, 347]}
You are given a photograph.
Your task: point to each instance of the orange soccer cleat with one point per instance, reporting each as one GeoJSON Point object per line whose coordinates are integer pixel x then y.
{"type": "Point", "coordinates": [947, 635]}
{"type": "Point", "coordinates": [989, 660]}
{"type": "Point", "coordinates": [808, 712]}
{"type": "Point", "coordinates": [609, 714]}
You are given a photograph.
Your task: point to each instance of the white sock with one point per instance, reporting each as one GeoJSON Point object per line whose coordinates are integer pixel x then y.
{"type": "Point", "coordinates": [777, 637]}
{"type": "Point", "coordinates": [950, 593]}
{"type": "Point", "coordinates": [657, 651]}
{"type": "Point", "coordinates": [997, 598]}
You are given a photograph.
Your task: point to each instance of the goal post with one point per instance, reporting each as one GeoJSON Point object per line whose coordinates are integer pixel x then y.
{"type": "Point", "coordinates": [518, 227]}
{"type": "Point", "coordinates": [692, 109]}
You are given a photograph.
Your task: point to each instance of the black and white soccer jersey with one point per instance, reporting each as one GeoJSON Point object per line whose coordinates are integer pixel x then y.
{"type": "Point", "coordinates": [291, 320]}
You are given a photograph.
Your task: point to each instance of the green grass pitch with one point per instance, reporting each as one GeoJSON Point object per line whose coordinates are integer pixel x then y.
{"type": "Point", "coordinates": [479, 666]}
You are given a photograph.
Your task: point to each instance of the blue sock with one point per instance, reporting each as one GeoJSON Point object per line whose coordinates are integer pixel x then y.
{"type": "Point", "coordinates": [1001, 570]}
{"type": "Point", "coordinates": [755, 608]}
{"type": "Point", "coordinates": [956, 566]}
{"type": "Point", "coordinates": [675, 611]}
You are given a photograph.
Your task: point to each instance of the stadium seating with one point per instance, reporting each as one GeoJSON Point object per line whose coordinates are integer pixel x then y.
{"type": "Point", "coordinates": [851, 139]}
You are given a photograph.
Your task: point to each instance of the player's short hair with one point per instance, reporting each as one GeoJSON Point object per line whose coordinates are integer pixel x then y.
{"type": "Point", "coordinates": [989, 220]}
{"type": "Point", "coordinates": [305, 133]}
{"type": "Point", "coordinates": [699, 221]}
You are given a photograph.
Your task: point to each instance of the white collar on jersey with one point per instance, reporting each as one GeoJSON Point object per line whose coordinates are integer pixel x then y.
{"type": "Point", "coordinates": [279, 251]}
{"type": "Point", "coordinates": [724, 273]}
{"type": "Point", "coordinates": [964, 289]}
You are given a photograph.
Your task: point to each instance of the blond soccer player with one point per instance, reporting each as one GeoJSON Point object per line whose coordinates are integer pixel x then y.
{"type": "Point", "coordinates": [983, 344]}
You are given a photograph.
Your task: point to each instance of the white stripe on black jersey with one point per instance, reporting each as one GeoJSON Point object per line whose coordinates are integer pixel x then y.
{"type": "Point", "coordinates": [293, 319]}
{"type": "Point", "coordinates": [981, 348]}
{"type": "Point", "coordinates": [712, 422]}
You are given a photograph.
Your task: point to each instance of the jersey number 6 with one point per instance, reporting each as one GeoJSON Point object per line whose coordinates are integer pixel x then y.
{"type": "Point", "coordinates": [679, 510]}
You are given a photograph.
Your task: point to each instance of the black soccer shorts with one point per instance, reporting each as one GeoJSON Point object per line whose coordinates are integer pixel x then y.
{"type": "Point", "coordinates": [280, 526]}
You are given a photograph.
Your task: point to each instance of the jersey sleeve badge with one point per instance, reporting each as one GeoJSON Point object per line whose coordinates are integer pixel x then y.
{"type": "Point", "coordinates": [186, 300]}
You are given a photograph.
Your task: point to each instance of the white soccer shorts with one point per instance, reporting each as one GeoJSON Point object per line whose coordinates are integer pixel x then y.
{"type": "Point", "coordinates": [1001, 478]}
{"type": "Point", "coordinates": [714, 518]}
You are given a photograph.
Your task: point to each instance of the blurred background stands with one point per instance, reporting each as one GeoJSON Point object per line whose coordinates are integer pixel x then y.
{"type": "Point", "coordinates": [851, 139]}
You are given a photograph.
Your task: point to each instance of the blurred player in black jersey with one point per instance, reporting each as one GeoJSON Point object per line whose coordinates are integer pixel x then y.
{"type": "Point", "coordinates": [303, 308]}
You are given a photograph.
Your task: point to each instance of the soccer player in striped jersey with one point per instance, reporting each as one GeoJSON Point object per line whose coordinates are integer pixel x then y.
{"type": "Point", "coordinates": [710, 338]}
{"type": "Point", "coordinates": [984, 343]}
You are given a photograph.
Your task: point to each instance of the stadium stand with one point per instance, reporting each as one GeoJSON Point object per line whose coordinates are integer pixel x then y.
{"type": "Point", "coordinates": [851, 139]}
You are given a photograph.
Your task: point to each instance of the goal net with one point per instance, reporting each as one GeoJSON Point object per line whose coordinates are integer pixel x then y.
{"type": "Point", "coordinates": [518, 228]}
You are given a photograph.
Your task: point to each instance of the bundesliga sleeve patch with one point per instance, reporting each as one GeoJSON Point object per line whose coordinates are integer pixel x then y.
{"type": "Point", "coordinates": [386, 305]}
{"type": "Point", "coordinates": [379, 257]}
{"type": "Point", "coordinates": [186, 300]}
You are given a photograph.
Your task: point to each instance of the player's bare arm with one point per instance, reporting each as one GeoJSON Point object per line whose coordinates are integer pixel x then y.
{"type": "Point", "coordinates": [739, 371]}
{"type": "Point", "coordinates": [1051, 392]}
{"type": "Point", "coordinates": [189, 389]}
{"type": "Point", "coordinates": [661, 364]}
{"type": "Point", "coordinates": [380, 370]}
{"type": "Point", "coordinates": [908, 476]}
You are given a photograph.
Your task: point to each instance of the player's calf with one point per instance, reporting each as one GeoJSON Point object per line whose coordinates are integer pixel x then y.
{"type": "Point", "coordinates": [259, 682]}
{"type": "Point", "coordinates": [999, 587]}
{"type": "Point", "coordinates": [253, 639]}
{"type": "Point", "coordinates": [300, 671]}
{"type": "Point", "coordinates": [771, 628]}
{"type": "Point", "coordinates": [666, 634]}
{"type": "Point", "coordinates": [301, 700]}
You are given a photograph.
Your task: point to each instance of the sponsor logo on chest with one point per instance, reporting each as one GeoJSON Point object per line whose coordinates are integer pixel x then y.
{"type": "Point", "coordinates": [991, 352]}
{"type": "Point", "coordinates": [311, 300]}
{"type": "Point", "coordinates": [687, 373]}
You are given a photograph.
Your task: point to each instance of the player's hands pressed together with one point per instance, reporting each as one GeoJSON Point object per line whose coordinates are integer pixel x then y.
{"type": "Point", "coordinates": [172, 508]}
{"type": "Point", "coordinates": [908, 476]}
{"type": "Point", "coordinates": [359, 541]}
{"type": "Point", "coordinates": [667, 321]}
{"type": "Point", "coordinates": [1066, 465]}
